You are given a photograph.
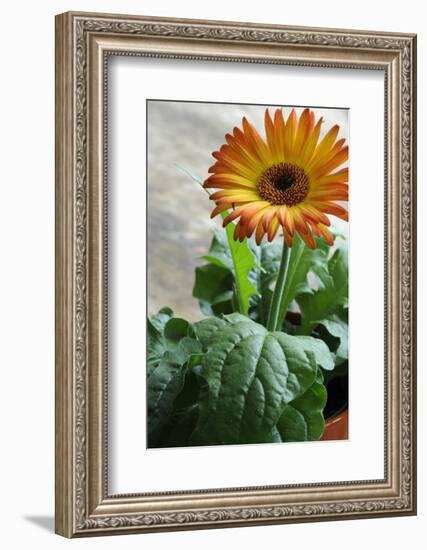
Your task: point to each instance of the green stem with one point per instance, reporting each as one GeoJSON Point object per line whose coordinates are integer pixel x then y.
{"type": "Point", "coordinates": [273, 315]}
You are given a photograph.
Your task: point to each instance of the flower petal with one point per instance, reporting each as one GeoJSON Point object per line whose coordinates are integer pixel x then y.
{"type": "Point", "coordinates": [332, 208]}
{"type": "Point", "coordinates": [250, 221]}
{"type": "Point", "coordinates": [220, 209]}
{"type": "Point", "coordinates": [305, 126]}
{"type": "Point", "coordinates": [314, 214]}
{"type": "Point", "coordinates": [289, 220]}
{"type": "Point", "coordinates": [241, 152]}
{"type": "Point", "coordinates": [234, 195]}
{"type": "Point", "coordinates": [272, 142]}
{"type": "Point", "coordinates": [328, 195]}
{"type": "Point", "coordinates": [279, 133]}
{"type": "Point", "coordinates": [217, 181]}
{"type": "Point", "coordinates": [338, 177]}
{"type": "Point", "coordinates": [311, 143]}
{"type": "Point", "coordinates": [314, 228]}
{"type": "Point", "coordinates": [329, 238]}
{"type": "Point", "coordinates": [268, 215]}
{"type": "Point", "coordinates": [258, 144]}
{"type": "Point", "coordinates": [244, 144]}
{"type": "Point", "coordinates": [272, 228]}
{"type": "Point", "coordinates": [288, 238]}
{"type": "Point", "coordinates": [259, 233]}
{"type": "Point", "coordinates": [334, 162]}
{"type": "Point", "coordinates": [290, 133]}
{"type": "Point", "coordinates": [282, 214]}
{"type": "Point", "coordinates": [308, 238]}
{"type": "Point", "coordinates": [246, 212]}
{"type": "Point", "coordinates": [226, 163]}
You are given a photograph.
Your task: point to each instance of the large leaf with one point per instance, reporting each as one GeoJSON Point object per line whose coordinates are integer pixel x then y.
{"type": "Point", "coordinates": [252, 374]}
{"type": "Point", "coordinates": [165, 383]}
{"type": "Point", "coordinates": [331, 297]}
{"type": "Point", "coordinates": [206, 329]}
{"type": "Point", "coordinates": [302, 420]}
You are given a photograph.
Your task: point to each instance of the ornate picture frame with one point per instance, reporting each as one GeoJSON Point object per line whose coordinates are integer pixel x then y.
{"type": "Point", "coordinates": [84, 42]}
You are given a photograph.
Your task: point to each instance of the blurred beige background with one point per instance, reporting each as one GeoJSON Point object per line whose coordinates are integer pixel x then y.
{"type": "Point", "coordinates": [184, 135]}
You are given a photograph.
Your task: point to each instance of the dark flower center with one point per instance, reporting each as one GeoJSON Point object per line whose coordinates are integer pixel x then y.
{"type": "Point", "coordinates": [283, 183]}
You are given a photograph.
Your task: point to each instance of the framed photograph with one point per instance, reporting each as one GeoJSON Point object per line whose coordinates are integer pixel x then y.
{"type": "Point", "coordinates": [235, 274]}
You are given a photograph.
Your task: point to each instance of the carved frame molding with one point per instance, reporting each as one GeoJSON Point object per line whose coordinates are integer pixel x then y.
{"type": "Point", "coordinates": [83, 43]}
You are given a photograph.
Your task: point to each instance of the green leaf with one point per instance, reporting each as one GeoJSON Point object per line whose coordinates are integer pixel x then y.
{"type": "Point", "coordinates": [302, 260]}
{"type": "Point", "coordinates": [268, 258]}
{"type": "Point", "coordinates": [219, 253]}
{"type": "Point", "coordinates": [319, 350]}
{"type": "Point", "coordinates": [243, 262]}
{"type": "Point", "coordinates": [320, 304]}
{"type": "Point", "coordinates": [171, 352]}
{"type": "Point", "coordinates": [179, 429]}
{"type": "Point", "coordinates": [273, 437]}
{"type": "Point", "coordinates": [270, 255]}
{"type": "Point", "coordinates": [252, 374]}
{"type": "Point", "coordinates": [213, 288]}
{"type": "Point", "coordinates": [157, 321]}
{"type": "Point", "coordinates": [207, 328]}
{"type": "Point", "coordinates": [165, 383]}
{"type": "Point", "coordinates": [320, 378]}
{"type": "Point", "coordinates": [227, 275]}
{"type": "Point", "coordinates": [156, 345]}
{"type": "Point", "coordinates": [302, 420]}
{"type": "Point", "coordinates": [189, 350]}
{"type": "Point", "coordinates": [292, 425]}
{"type": "Point", "coordinates": [338, 328]}
{"type": "Point", "coordinates": [174, 330]}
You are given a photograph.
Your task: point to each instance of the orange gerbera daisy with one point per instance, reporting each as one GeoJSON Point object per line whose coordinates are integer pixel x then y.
{"type": "Point", "coordinates": [287, 180]}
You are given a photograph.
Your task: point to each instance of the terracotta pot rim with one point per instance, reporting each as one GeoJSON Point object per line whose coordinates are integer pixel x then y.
{"type": "Point", "coordinates": [336, 418]}
{"type": "Point", "coordinates": [336, 428]}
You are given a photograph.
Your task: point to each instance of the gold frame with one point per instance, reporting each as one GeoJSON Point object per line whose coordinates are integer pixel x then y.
{"type": "Point", "coordinates": [83, 43]}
